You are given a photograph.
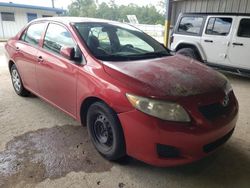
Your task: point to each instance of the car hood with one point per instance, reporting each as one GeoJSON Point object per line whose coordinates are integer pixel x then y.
{"type": "Point", "coordinates": [168, 76]}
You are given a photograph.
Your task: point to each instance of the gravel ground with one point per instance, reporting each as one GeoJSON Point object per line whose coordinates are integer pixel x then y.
{"type": "Point", "coordinates": [41, 146]}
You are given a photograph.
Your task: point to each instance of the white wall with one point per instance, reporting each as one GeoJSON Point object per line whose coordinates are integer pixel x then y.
{"type": "Point", "coordinates": [11, 28]}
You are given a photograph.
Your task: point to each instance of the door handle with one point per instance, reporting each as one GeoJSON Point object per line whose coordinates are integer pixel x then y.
{"type": "Point", "coordinates": [40, 59]}
{"type": "Point", "coordinates": [238, 44]}
{"type": "Point", "coordinates": [211, 41]}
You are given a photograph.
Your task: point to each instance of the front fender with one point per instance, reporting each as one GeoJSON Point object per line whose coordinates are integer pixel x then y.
{"type": "Point", "coordinates": [197, 45]}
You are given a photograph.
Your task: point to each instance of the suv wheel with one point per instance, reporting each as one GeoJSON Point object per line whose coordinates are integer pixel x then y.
{"type": "Point", "coordinates": [189, 52]}
{"type": "Point", "coordinates": [17, 82]}
{"type": "Point", "coordinates": [105, 131]}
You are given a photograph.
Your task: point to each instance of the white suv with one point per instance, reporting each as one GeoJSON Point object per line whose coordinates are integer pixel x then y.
{"type": "Point", "coordinates": [220, 40]}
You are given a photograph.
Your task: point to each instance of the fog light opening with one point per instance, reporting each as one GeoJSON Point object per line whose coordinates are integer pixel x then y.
{"type": "Point", "coordinates": [167, 151]}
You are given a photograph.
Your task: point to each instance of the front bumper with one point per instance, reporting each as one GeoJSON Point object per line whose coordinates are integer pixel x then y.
{"type": "Point", "coordinates": [143, 134]}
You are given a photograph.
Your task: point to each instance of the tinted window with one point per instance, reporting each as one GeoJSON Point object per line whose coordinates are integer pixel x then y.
{"type": "Point", "coordinates": [219, 26]}
{"type": "Point", "coordinates": [57, 37]}
{"type": "Point", "coordinates": [190, 25]}
{"type": "Point", "coordinates": [34, 33]}
{"type": "Point", "coordinates": [244, 28]}
{"type": "Point", "coordinates": [8, 16]}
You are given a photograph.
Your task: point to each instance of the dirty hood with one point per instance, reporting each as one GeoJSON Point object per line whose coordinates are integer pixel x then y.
{"type": "Point", "coordinates": [168, 76]}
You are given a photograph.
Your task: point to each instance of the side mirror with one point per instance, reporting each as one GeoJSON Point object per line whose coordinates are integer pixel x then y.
{"type": "Point", "coordinates": [68, 52]}
{"type": "Point", "coordinates": [72, 53]}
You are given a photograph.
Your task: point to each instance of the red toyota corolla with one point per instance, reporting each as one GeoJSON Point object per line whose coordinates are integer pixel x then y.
{"type": "Point", "coordinates": [134, 96]}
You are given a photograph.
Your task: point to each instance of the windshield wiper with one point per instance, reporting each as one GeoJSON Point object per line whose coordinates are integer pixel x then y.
{"type": "Point", "coordinates": [134, 56]}
{"type": "Point", "coordinates": [158, 54]}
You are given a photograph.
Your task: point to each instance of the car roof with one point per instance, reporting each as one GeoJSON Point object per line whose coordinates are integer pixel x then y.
{"type": "Point", "coordinates": [67, 20]}
{"type": "Point", "coordinates": [217, 13]}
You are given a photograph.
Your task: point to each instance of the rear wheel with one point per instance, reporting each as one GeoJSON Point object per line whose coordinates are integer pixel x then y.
{"type": "Point", "coordinates": [105, 131]}
{"type": "Point", "coordinates": [189, 52]}
{"type": "Point", "coordinates": [17, 82]}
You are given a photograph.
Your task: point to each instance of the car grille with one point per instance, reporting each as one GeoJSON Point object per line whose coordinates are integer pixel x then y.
{"type": "Point", "coordinates": [214, 111]}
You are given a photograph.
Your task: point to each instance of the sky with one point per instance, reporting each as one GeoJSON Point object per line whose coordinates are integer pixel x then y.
{"type": "Point", "coordinates": [64, 3]}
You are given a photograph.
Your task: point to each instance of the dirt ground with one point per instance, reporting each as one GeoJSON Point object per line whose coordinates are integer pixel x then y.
{"type": "Point", "coordinates": [41, 146]}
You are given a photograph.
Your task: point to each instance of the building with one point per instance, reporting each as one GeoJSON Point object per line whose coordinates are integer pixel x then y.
{"type": "Point", "coordinates": [204, 6]}
{"type": "Point", "coordinates": [15, 16]}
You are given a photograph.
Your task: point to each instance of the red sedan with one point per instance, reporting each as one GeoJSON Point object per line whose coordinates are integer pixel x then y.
{"type": "Point", "coordinates": [134, 96]}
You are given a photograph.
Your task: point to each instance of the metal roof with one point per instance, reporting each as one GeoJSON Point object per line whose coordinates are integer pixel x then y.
{"type": "Point", "coordinates": [15, 5]}
{"type": "Point", "coordinates": [217, 13]}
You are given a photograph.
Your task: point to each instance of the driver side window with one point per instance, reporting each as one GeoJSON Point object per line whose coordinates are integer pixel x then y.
{"type": "Point", "coordinates": [57, 37]}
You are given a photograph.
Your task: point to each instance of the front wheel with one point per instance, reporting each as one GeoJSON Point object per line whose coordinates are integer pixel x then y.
{"type": "Point", "coordinates": [105, 131]}
{"type": "Point", "coordinates": [17, 82]}
{"type": "Point", "coordinates": [189, 52]}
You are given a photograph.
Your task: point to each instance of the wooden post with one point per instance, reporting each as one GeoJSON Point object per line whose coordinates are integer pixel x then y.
{"type": "Point", "coordinates": [168, 4]}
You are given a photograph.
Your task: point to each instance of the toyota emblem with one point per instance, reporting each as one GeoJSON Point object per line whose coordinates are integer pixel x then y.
{"type": "Point", "coordinates": [225, 101]}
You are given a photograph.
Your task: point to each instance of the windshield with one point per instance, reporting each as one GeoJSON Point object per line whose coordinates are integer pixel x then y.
{"type": "Point", "coordinates": [119, 42]}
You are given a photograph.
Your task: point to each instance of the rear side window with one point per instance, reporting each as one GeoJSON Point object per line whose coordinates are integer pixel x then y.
{"type": "Point", "coordinates": [34, 33]}
{"type": "Point", "coordinates": [190, 25]}
{"type": "Point", "coordinates": [57, 37]}
{"type": "Point", "coordinates": [219, 26]}
{"type": "Point", "coordinates": [244, 28]}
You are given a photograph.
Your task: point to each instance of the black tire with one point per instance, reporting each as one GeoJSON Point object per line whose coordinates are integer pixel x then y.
{"type": "Point", "coordinates": [189, 52]}
{"type": "Point", "coordinates": [17, 82]}
{"type": "Point", "coordinates": [106, 132]}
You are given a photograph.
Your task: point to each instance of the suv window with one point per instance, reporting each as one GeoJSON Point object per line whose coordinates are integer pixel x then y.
{"type": "Point", "coordinates": [34, 33]}
{"type": "Point", "coordinates": [57, 37]}
{"type": "Point", "coordinates": [219, 26]}
{"type": "Point", "coordinates": [244, 28]}
{"type": "Point", "coordinates": [190, 25]}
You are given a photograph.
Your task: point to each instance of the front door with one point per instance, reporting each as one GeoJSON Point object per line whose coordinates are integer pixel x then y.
{"type": "Point", "coordinates": [216, 38]}
{"type": "Point", "coordinates": [57, 75]}
{"type": "Point", "coordinates": [239, 53]}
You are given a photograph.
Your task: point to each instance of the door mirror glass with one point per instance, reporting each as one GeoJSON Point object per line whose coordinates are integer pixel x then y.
{"type": "Point", "coordinates": [72, 53]}
{"type": "Point", "coordinates": [68, 52]}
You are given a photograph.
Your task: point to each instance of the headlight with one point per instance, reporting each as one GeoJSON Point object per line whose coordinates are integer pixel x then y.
{"type": "Point", "coordinates": [164, 110]}
{"type": "Point", "coordinates": [228, 88]}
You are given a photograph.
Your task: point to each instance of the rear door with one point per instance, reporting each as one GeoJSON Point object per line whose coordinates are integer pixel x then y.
{"type": "Point", "coordinates": [26, 54]}
{"type": "Point", "coordinates": [216, 38]}
{"type": "Point", "coordinates": [239, 50]}
{"type": "Point", "coordinates": [57, 75]}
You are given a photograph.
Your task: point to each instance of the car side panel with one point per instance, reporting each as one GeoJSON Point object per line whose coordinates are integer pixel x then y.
{"type": "Point", "coordinates": [56, 78]}
{"type": "Point", "coordinates": [25, 58]}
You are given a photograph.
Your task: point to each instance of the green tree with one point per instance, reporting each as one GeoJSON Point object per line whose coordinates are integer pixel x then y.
{"type": "Point", "coordinates": [85, 8]}
{"type": "Point", "coordinates": [111, 11]}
